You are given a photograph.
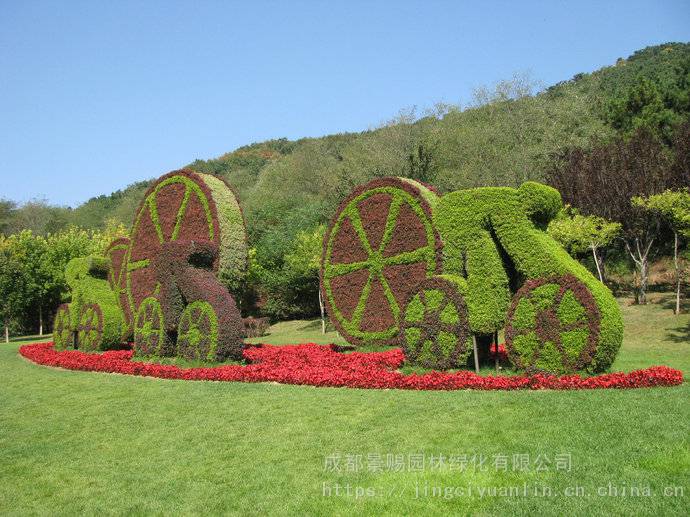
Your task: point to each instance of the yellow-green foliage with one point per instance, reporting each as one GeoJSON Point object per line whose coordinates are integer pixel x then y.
{"type": "Point", "coordinates": [87, 278]}
{"type": "Point", "coordinates": [463, 219]}
{"type": "Point", "coordinates": [233, 250]}
{"type": "Point", "coordinates": [493, 231]}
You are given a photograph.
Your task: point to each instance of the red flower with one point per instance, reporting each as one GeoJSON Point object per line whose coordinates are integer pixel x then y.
{"type": "Point", "coordinates": [322, 365]}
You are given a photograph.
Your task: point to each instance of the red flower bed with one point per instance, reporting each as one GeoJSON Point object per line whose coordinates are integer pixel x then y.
{"type": "Point", "coordinates": [318, 365]}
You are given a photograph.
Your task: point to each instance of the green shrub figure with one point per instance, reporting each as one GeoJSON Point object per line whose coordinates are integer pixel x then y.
{"type": "Point", "coordinates": [493, 246]}
{"type": "Point", "coordinates": [93, 320]}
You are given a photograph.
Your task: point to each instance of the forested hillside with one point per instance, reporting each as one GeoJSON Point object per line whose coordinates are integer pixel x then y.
{"type": "Point", "coordinates": [509, 133]}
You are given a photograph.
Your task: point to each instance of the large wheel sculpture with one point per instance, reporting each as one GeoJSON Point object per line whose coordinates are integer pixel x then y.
{"type": "Point", "coordinates": [183, 206]}
{"type": "Point", "coordinates": [381, 244]}
{"type": "Point", "coordinates": [435, 331]}
{"type": "Point", "coordinates": [90, 327]}
{"type": "Point", "coordinates": [63, 336]}
{"type": "Point", "coordinates": [553, 326]}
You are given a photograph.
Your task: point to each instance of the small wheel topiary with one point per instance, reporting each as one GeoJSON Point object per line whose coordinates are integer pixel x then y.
{"type": "Point", "coordinates": [90, 327]}
{"type": "Point", "coordinates": [150, 337]}
{"type": "Point", "coordinates": [435, 331]}
{"type": "Point", "coordinates": [63, 337]}
{"type": "Point", "coordinates": [197, 335]}
{"type": "Point", "coordinates": [553, 326]}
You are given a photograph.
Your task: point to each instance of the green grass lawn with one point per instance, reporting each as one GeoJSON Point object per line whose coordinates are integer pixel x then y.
{"type": "Point", "coordinates": [87, 442]}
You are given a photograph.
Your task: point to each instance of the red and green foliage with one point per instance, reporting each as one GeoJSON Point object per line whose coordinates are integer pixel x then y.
{"type": "Point", "coordinates": [435, 332]}
{"type": "Point", "coordinates": [493, 240]}
{"type": "Point", "coordinates": [379, 246]}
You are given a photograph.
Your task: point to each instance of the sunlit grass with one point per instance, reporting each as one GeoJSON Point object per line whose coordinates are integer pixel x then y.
{"type": "Point", "coordinates": [81, 442]}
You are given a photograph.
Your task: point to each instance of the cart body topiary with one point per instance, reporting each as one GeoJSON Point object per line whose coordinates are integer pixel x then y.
{"type": "Point", "coordinates": [169, 280]}
{"type": "Point", "coordinates": [403, 265]}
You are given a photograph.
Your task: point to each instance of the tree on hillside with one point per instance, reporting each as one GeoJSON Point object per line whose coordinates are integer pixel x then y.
{"type": "Point", "coordinates": [582, 234]}
{"type": "Point", "coordinates": [674, 208]}
{"type": "Point", "coordinates": [7, 209]}
{"type": "Point", "coordinates": [601, 181]}
{"type": "Point", "coordinates": [40, 217]}
{"type": "Point", "coordinates": [653, 104]}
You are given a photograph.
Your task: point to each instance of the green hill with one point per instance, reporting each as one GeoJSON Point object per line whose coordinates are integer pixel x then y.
{"type": "Point", "coordinates": [508, 134]}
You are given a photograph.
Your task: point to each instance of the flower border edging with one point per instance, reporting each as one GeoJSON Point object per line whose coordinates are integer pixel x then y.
{"type": "Point", "coordinates": [322, 365]}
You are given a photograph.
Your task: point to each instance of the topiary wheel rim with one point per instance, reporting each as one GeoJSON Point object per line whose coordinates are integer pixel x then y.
{"type": "Point", "coordinates": [149, 328]}
{"type": "Point", "coordinates": [178, 207]}
{"type": "Point", "coordinates": [537, 322]}
{"type": "Point", "coordinates": [90, 327]}
{"type": "Point", "coordinates": [435, 331]}
{"type": "Point", "coordinates": [197, 335]}
{"type": "Point", "coordinates": [62, 331]}
{"type": "Point", "coordinates": [369, 222]}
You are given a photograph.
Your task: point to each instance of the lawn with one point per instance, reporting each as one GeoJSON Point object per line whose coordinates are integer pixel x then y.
{"type": "Point", "coordinates": [85, 442]}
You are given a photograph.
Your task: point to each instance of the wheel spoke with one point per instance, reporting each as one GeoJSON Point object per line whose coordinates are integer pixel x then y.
{"type": "Point", "coordinates": [153, 213]}
{"type": "Point", "coordinates": [180, 213]}
{"type": "Point", "coordinates": [138, 264]}
{"type": "Point", "coordinates": [356, 220]}
{"type": "Point", "coordinates": [409, 257]}
{"type": "Point", "coordinates": [361, 303]}
{"type": "Point", "coordinates": [391, 219]}
{"type": "Point", "coordinates": [333, 270]}
{"type": "Point", "coordinates": [388, 293]}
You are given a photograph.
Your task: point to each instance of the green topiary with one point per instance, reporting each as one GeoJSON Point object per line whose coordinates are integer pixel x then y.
{"type": "Point", "coordinates": [95, 319]}
{"type": "Point", "coordinates": [435, 333]}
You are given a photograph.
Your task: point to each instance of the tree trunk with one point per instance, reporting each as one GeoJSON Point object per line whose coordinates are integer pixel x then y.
{"type": "Point", "coordinates": [596, 262]}
{"type": "Point", "coordinates": [644, 279]}
{"type": "Point", "coordinates": [7, 331]}
{"type": "Point", "coordinates": [323, 314]}
{"type": "Point", "coordinates": [675, 264]}
{"type": "Point", "coordinates": [639, 256]}
{"type": "Point", "coordinates": [40, 320]}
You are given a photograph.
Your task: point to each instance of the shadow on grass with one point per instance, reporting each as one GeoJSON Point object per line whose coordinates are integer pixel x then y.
{"type": "Point", "coordinates": [679, 334]}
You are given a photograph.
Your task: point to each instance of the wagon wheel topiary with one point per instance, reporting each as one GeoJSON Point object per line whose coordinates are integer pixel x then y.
{"type": "Point", "coordinates": [184, 206]}
{"type": "Point", "coordinates": [197, 335]}
{"type": "Point", "coordinates": [380, 245]}
{"type": "Point", "coordinates": [435, 332]}
{"type": "Point", "coordinates": [553, 325]}
{"type": "Point", "coordinates": [62, 331]}
{"type": "Point", "coordinates": [150, 337]}
{"type": "Point", "coordinates": [90, 327]}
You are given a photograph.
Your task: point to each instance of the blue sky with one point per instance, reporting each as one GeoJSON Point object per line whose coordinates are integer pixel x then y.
{"type": "Point", "coordinates": [96, 95]}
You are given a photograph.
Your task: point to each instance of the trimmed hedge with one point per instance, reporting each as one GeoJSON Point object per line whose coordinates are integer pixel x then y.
{"type": "Point", "coordinates": [94, 313]}
{"type": "Point", "coordinates": [379, 246]}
